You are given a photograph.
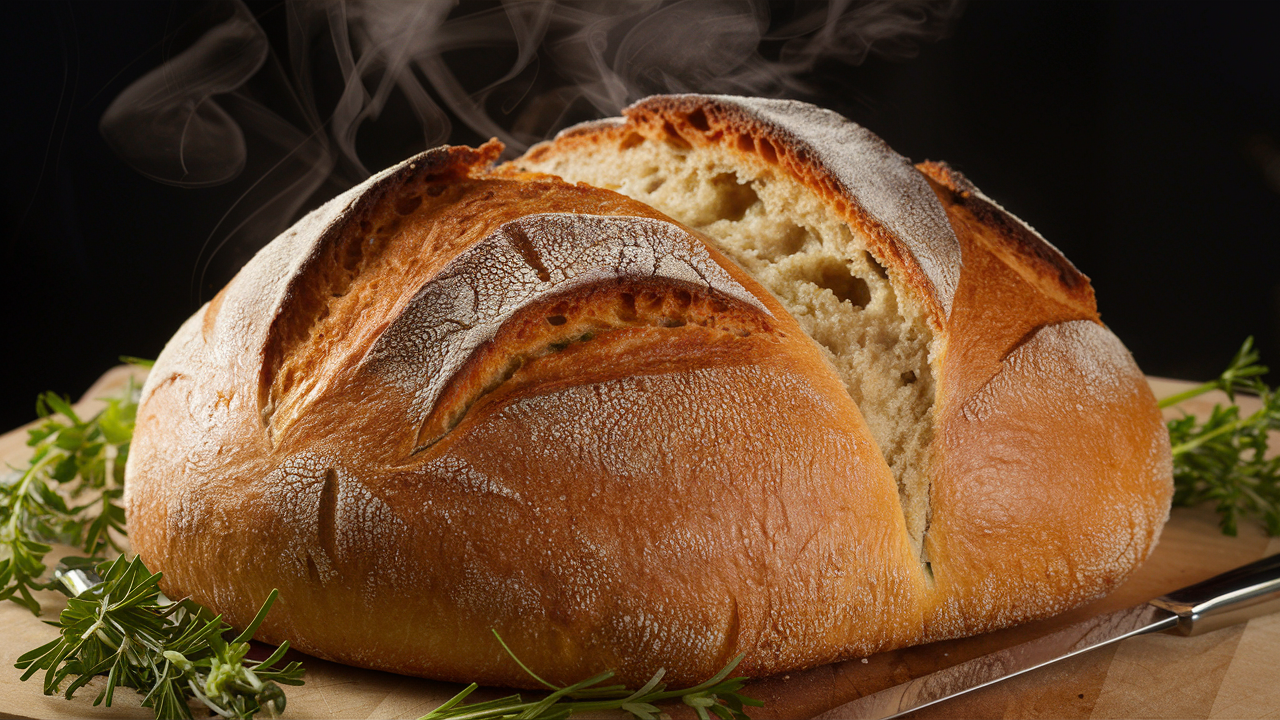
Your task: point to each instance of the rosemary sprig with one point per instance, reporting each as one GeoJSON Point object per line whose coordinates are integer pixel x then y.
{"type": "Point", "coordinates": [122, 626]}
{"type": "Point", "coordinates": [1223, 459]}
{"type": "Point", "coordinates": [173, 653]}
{"type": "Point", "coordinates": [719, 696]}
{"type": "Point", "coordinates": [72, 458]}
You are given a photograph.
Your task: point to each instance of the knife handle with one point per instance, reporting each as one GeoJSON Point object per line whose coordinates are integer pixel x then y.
{"type": "Point", "coordinates": [1232, 597]}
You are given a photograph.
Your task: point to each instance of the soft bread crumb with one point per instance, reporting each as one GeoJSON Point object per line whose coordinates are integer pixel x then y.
{"type": "Point", "coordinates": [791, 242]}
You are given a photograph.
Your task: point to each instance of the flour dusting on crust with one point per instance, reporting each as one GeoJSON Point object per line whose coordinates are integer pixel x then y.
{"type": "Point", "coordinates": [465, 305]}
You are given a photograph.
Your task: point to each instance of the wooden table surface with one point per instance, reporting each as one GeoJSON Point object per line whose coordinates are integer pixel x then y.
{"type": "Point", "coordinates": [1231, 673]}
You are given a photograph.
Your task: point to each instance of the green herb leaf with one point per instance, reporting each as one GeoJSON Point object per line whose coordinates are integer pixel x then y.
{"type": "Point", "coordinates": [71, 458]}
{"type": "Point", "coordinates": [122, 627]}
{"type": "Point", "coordinates": [1224, 458]}
{"type": "Point", "coordinates": [173, 653]}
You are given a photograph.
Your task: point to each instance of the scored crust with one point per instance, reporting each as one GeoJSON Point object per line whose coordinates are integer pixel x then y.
{"type": "Point", "coordinates": [456, 399]}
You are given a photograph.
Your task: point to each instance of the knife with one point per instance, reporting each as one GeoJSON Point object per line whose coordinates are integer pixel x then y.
{"type": "Point", "coordinates": [1227, 599]}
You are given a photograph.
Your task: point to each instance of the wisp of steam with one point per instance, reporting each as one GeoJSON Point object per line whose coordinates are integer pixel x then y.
{"type": "Point", "coordinates": [229, 105]}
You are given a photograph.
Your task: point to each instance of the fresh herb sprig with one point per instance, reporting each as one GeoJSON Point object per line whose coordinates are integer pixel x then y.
{"type": "Point", "coordinates": [173, 652]}
{"type": "Point", "coordinates": [719, 696]}
{"type": "Point", "coordinates": [72, 458]}
{"type": "Point", "coordinates": [1224, 458]}
{"type": "Point", "coordinates": [121, 627]}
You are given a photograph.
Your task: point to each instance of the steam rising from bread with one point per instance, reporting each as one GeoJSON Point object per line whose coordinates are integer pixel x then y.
{"type": "Point", "coordinates": [169, 125]}
{"type": "Point", "coordinates": [185, 123]}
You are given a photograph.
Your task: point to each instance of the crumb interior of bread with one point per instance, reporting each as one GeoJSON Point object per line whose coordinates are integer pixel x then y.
{"type": "Point", "coordinates": [821, 270]}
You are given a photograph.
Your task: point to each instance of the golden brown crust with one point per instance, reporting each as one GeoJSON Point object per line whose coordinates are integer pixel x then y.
{"type": "Point", "coordinates": [1042, 264]}
{"type": "Point", "coordinates": [548, 410]}
{"type": "Point", "coordinates": [1052, 482]}
{"type": "Point", "coordinates": [1053, 474]}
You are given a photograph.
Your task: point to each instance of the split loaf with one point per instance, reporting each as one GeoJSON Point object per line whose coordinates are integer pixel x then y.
{"type": "Point", "coordinates": [721, 376]}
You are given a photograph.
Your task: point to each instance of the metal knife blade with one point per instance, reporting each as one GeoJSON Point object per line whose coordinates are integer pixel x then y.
{"type": "Point", "coordinates": [959, 679]}
{"type": "Point", "coordinates": [1233, 597]}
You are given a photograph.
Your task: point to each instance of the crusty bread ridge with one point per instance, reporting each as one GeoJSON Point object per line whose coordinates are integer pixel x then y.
{"type": "Point", "coordinates": [848, 405]}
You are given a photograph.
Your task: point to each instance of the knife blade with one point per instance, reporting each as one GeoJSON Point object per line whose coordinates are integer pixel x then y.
{"type": "Point", "coordinates": [1232, 597]}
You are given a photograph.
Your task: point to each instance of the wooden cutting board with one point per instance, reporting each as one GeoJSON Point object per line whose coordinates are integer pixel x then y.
{"type": "Point", "coordinates": [1232, 673]}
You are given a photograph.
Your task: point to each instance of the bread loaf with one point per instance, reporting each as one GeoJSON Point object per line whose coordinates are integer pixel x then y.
{"type": "Point", "coordinates": [722, 376]}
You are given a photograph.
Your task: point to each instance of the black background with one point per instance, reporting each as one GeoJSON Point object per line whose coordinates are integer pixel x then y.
{"type": "Point", "coordinates": [1143, 139]}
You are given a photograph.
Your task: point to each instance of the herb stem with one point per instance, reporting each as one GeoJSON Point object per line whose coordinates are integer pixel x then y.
{"type": "Point", "coordinates": [504, 711]}
{"type": "Point", "coordinates": [1230, 427]}
{"type": "Point", "coordinates": [20, 492]}
{"type": "Point", "coordinates": [529, 672]}
{"type": "Point", "coordinates": [1188, 394]}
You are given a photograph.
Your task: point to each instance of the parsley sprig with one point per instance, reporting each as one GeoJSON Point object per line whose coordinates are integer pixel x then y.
{"type": "Point", "coordinates": [1224, 458]}
{"type": "Point", "coordinates": [174, 652]}
{"type": "Point", "coordinates": [719, 696]}
{"type": "Point", "coordinates": [73, 458]}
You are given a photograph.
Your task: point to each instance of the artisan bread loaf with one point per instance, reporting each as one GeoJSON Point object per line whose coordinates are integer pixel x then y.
{"type": "Point", "coordinates": [723, 376]}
